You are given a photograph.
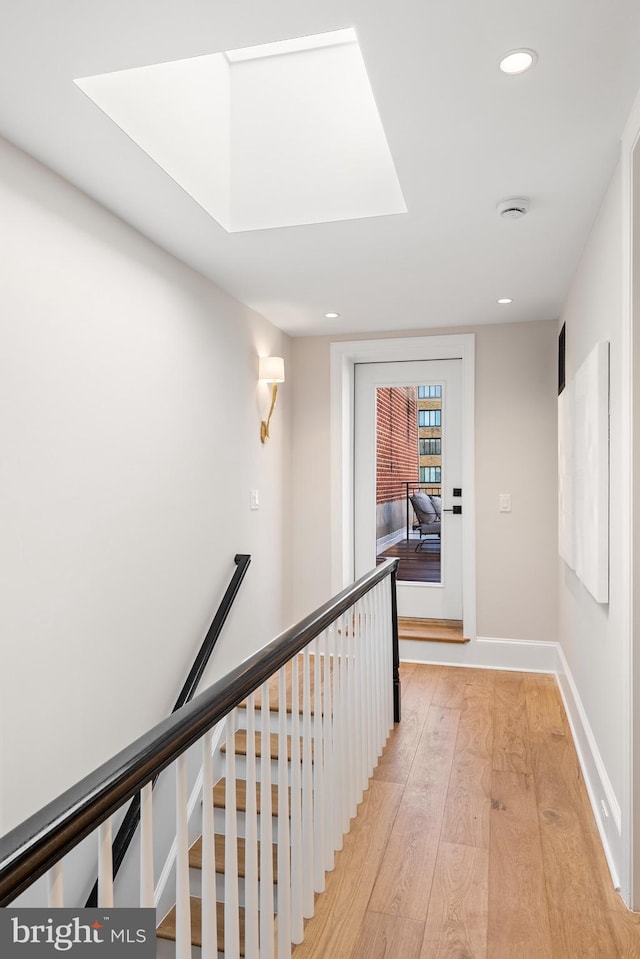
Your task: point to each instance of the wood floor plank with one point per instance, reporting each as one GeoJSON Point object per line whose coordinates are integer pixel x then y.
{"type": "Point", "coordinates": [450, 689]}
{"type": "Point", "coordinates": [341, 908]}
{"type": "Point", "coordinates": [404, 880]}
{"type": "Point", "coordinates": [626, 931]}
{"type": "Point", "coordinates": [544, 706]}
{"type": "Point", "coordinates": [511, 729]}
{"type": "Point", "coordinates": [575, 869]}
{"type": "Point", "coordinates": [395, 763]}
{"type": "Point", "coordinates": [468, 805]}
{"type": "Point", "coordinates": [406, 671]}
{"type": "Point", "coordinates": [518, 912]}
{"type": "Point", "coordinates": [456, 923]}
{"type": "Point", "coordinates": [388, 937]}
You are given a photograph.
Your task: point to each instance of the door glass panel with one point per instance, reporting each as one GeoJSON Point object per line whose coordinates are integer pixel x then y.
{"type": "Point", "coordinates": [409, 466]}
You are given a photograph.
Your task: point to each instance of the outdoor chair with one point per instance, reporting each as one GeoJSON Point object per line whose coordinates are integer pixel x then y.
{"type": "Point", "coordinates": [427, 510]}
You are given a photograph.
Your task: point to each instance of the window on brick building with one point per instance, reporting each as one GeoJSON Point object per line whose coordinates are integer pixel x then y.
{"type": "Point", "coordinates": [429, 417]}
{"type": "Point", "coordinates": [430, 474]}
{"type": "Point", "coordinates": [431, 447]}
{"type": "Point", "coordinates": [429, 392]}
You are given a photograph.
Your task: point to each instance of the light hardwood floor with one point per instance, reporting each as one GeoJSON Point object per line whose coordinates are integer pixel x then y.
{"type": "Point", "coordinates": [475, 839]}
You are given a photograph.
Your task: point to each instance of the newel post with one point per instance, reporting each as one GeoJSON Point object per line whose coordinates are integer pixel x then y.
{"type": "Point", "coordinates": [396, 648]}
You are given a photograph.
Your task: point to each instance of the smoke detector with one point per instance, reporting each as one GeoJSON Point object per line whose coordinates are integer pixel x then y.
{"type": "Point", "coordinates": [514, 208]}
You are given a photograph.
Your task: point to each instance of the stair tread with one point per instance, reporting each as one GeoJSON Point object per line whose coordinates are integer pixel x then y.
{"type": "Point", "coordinates": [167, 928]}
{"type": "Point", "coordinates": [431, 630]}
{"type": "Point", "coordinates": [241, 744]}
{"type": "Point", "coordinates": [241, 796]}
{"type": "Point", "coordinates": [274, 686]}
{"type": "Point", "coordinates": [195, 855]}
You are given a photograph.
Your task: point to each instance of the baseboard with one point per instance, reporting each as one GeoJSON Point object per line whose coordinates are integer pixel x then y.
{"type": "Point", "coordinates": [390, 540]}
{"type": "Point", "coordinates": [485, 653]}
{"type": "Point", "coordinates": [594, 771]}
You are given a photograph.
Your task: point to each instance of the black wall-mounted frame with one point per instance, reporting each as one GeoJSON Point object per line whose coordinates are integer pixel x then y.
{"type": "Point", "coordinates": [561, 355]}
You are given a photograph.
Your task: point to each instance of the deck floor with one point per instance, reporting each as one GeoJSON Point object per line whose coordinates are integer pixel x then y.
{"type": "Point", "coordinates": [421, 566]}
{"type": "Point", "coordinates": [475, 839]}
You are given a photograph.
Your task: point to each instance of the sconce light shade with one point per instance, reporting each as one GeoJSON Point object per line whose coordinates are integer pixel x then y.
{"type": "Point", "coordinates": [271, 369]}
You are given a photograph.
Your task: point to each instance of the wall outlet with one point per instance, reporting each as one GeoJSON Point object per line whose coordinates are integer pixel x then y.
{"type": "Point", "coordinates": [254, 499]}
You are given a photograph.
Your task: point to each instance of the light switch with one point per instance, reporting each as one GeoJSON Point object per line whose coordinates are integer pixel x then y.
{"type": "Point", "coordinates": [254, 502]}
{"type": "Point", "coordinates": [505, 503]}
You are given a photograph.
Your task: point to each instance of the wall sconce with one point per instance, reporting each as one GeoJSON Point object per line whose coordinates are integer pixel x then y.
{"type": "Point", "coordinates": [271, 370]}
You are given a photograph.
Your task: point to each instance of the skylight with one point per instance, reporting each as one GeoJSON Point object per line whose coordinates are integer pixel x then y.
{"type": "Point", "coordinates": [258, 137]}
{"type": "Point", "coordinates": [296, 45]}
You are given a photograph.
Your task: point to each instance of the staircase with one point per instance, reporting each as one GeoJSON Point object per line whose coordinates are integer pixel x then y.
{"type": "Point", "coordinates": [258, 778]}
{"type": "Point", "coordinates": [243, 749]}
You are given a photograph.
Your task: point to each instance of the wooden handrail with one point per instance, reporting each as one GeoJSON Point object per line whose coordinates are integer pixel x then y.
{"type": "Point", "coordinates": [129, 824]}
{"type": "Point", "coordinates": [33, 847]}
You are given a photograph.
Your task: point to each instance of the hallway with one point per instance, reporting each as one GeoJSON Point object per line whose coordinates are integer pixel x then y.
{"type": "Point", "coordinates": [475, 839]}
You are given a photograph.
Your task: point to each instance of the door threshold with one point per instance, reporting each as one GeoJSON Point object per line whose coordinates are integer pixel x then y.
{"type": "Point", "coordinates": [431, 630]}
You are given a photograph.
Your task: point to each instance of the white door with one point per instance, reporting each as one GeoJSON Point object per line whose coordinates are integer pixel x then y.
{"type": "Point", "coordinates": [435, 593]}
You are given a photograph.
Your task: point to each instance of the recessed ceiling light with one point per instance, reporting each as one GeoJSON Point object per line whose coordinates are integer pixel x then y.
{"type": "Point", "coordinates": [517, 61]}
{"type": "Point", "coordinates": [332, 316]}
{"type": "Point", "coordinates": [505, 299]}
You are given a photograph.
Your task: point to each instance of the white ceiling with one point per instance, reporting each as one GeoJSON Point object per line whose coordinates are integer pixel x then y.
{"type": "Point", "coordinates": [462, 136]}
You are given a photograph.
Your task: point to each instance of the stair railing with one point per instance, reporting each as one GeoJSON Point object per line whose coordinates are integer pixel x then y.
{"type": "Point", "coordinates": [321, 698]}
{"type": "Point", "coordinates": [131, 819]}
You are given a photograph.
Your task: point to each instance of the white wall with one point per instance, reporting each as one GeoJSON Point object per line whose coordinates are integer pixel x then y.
{"type": "Point", "coordinates": [129, 420]}
{"type": "Point", "coordinates": [592, 635]}
{"type": "Point", "coordinates": [515, 453]}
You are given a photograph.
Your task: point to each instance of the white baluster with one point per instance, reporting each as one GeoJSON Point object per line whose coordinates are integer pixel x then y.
{"type": "Point", "coordinates": [351, 711]}
{"type": "Point", "coordinates": [346, 733]}
{"type": "Point", "coordinates": [266, 835]}
{"type": "Point", "coordinates": [105, 866]}
{"type": "Point", "coordinates": [318, 775]}
{"type": "Point", "coordinates": [183, 901]}
{"type": "Point", "coordinates": [307, 789]}
{"type": "Point", "coordinates": [389, 633]}
{"type": "Point", "coordinates": [373, 654]}
{"type": "Point", "coordinates": [251, 909]}
{"type": "Point", "coordinates": [362, 718]}
{"type": "Point", "coordinates": [326, 643]}
{"type": "Point", "coordinates": [209, 896]}
{"type": "Point", "coordinates": [146, 847]}
{"type": "Point", "coordinates": [55, 886]}
{"type": "Point", "coordinates": [366, 719]}
{"type": "Point", "coordinates": [342, 764]}
{"type": "Point", "coordinates": [386, 661]}
{"type": "Point", "coordinates": [297, 918]}
{"type": "Point", "coordinates": [380, 689]}
{"type": "Point", "coordinates": [372, 745]}
{"type": "Point", "coordinates": [231, 901]}
{"type": "Point", "coordinates": [338, 754]}
{"type": "Point", "coordinates": [284, 846]}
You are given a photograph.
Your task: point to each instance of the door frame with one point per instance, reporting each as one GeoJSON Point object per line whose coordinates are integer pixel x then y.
{"type": "Point", "coordinates": [630, 545]}
{"type": "Point", "coordinates": [343, 357]}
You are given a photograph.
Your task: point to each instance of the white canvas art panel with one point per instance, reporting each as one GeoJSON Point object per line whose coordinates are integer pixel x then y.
{"type": "Point", "coordinates": [591, 472]}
